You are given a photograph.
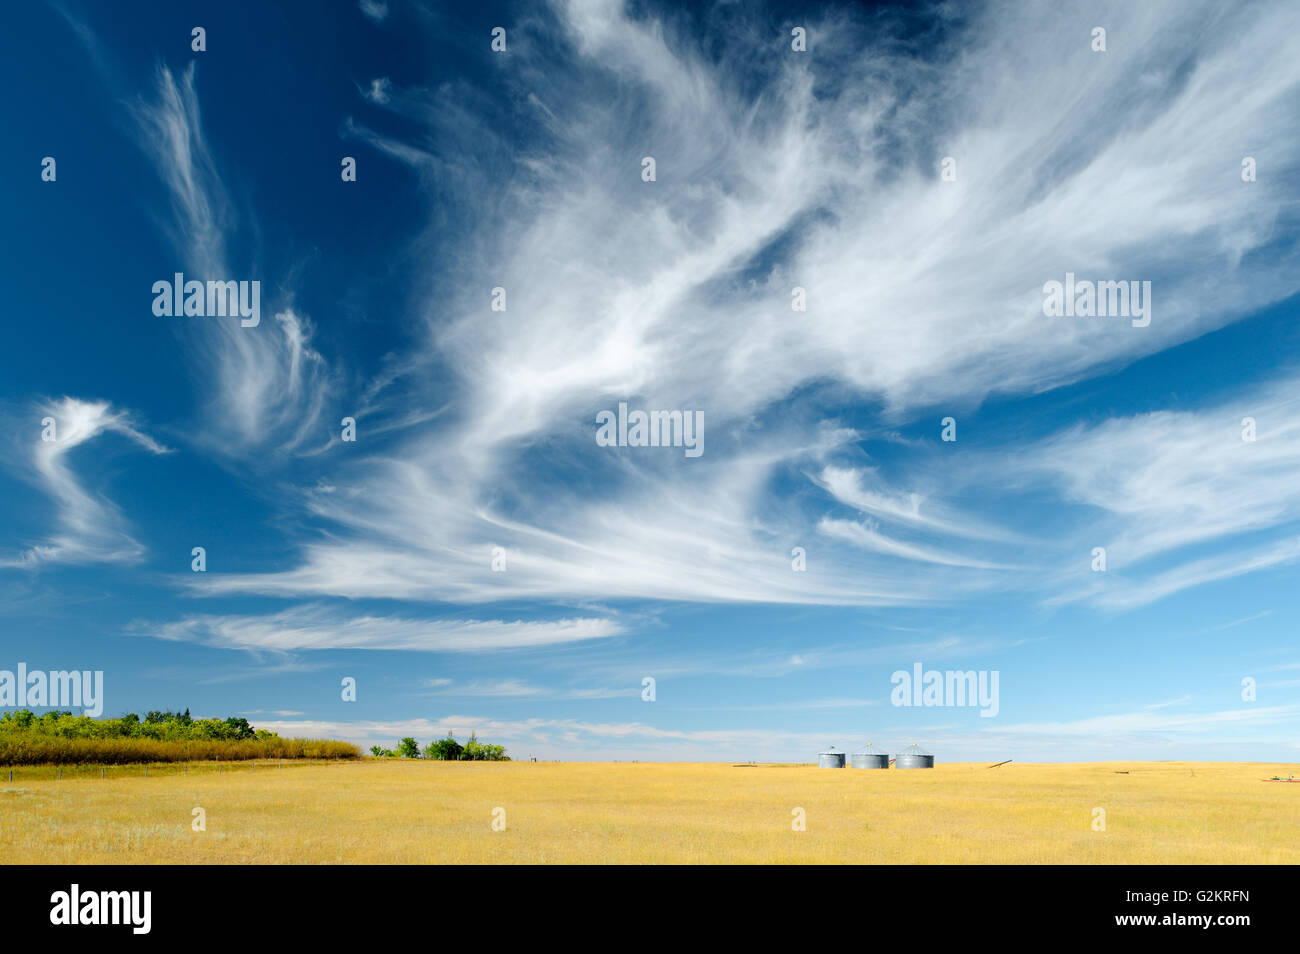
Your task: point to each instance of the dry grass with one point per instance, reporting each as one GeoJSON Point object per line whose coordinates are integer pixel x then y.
{"type": "Point", "coordinates": [436, 812]}
{"type": "Point", "coordinates": [35, 748]}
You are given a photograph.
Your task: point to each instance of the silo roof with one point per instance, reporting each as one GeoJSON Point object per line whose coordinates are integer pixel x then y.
{"type": "Point", "coordinates": [914, 749]}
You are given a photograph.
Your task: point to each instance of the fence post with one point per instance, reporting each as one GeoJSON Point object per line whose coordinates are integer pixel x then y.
{"type": "Point", "coordinates": [146, 769]}
{"type": "Point", "coordinates": [60, 773]}
{"type": "Point", "coordinates": [101, 771]}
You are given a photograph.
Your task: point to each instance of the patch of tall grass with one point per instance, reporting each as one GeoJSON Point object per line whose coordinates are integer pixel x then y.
{"type": "Point", "coordinates": [35, 749]}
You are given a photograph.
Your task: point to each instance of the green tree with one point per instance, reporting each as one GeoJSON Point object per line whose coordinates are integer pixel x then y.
{"type": "Point", "coordinates": [164, 725]}
{"type": "Point", "coordinates": [445, 750]}
{"type": "Point", "coordinates": [473, 749]}
{"type": "Point", "coordinates": [239, 728]}
{"type": "Point", "coordinates": [408, 748]}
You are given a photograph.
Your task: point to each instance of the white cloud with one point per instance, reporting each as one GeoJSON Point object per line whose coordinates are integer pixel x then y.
{"type": "Point", "coordinates": [1130, 725]}
{"type": "Point", "coordinates": [869, 538]}
{"type": "Point", "coordinates": [89, 527]}
{"type": "Point", "coordinates": [1154, 487]}
{"type": "Point", "coordinates": [269, 382]}
{"type": "Point", "coordinates": [380, 91]}
{"type": "Point", "coordinates": [315, 627]}
{"type": "Point", "coordinates": [677, 293]}
{"type": "Point", "coordinates": [520, 689]}
{"type": "Point", "coordinates": [866, 490]}
{"type": "Point", "coordinates": [376, 10]}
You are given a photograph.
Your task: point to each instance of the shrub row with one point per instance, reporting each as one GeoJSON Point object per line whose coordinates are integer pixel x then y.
{"type": "Point", "coordinates": [34, 749]}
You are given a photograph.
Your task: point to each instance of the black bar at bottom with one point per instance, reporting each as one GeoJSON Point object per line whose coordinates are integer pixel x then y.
{"type": "Point", "coordinates": [329, 904]}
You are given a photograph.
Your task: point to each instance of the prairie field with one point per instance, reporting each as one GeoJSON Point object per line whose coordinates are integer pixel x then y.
{"type": "Point", "coordinates": [422, 812]}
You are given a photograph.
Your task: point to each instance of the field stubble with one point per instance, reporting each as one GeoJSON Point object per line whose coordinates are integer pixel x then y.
{"type": "Point", "coordinates": [435, 812]}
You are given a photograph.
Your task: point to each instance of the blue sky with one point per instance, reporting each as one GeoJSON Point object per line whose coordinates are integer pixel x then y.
{"type": "Point", "coordinates": [775, 169]}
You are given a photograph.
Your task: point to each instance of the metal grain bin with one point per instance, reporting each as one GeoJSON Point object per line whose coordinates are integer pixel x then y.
{"type": "Point", "coordinates": [913, 757]}
{"type": "Point", "coordinates": [869, 758]}
{"type": "Point", "coordinates": [831, 758]}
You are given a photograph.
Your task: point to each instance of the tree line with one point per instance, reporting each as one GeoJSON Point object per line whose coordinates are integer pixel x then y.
{"type": "Point", "coordinates": [163, 725]}
{"type": "Point", "coordinates": [62, 738]}
{"type": "Point", "coordinates": [444, 750]}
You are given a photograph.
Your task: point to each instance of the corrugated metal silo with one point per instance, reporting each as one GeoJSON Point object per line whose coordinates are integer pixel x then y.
{"type": "Point", "coordinates": [870, 758]}
{"type": "Point", "coordinates": [913, 757]}
{"type": "Point", "coordinates": [831, 758]}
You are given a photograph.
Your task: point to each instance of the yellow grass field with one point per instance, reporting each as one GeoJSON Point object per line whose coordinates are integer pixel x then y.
{"type": "Point", "coordinates": [437, 813]}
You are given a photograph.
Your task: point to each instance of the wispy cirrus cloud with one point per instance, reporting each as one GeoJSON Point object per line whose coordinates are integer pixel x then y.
{"type": "Point", "coordinates": [269, 380]}
{"type": "Point", "coordinates": [938, 299]}
{"type": "Point", "coordinates": [317, 627]}
{"type": "Point", "coordinates": [1151, 720]}
{"type": "Point", "coordinates": [379, 91]}
{"type": "Point", "coordinates": [1155, 489]}
{"type": "Point", "coordinates": [88, 527]}
{"type": "Point", "coordinates": [508, 689]}
{"type": "Point", "coordinates": [376, 10]}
